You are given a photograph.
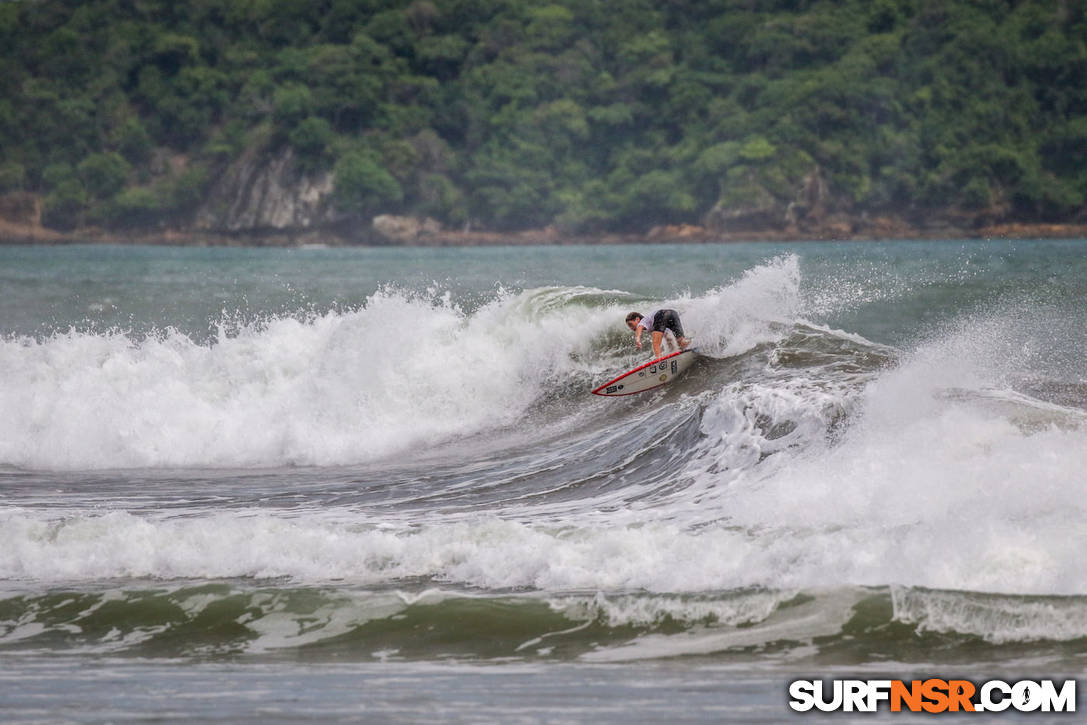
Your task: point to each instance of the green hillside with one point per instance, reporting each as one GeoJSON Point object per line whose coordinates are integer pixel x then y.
{"type": "Point", "coordinates": [586, 114]}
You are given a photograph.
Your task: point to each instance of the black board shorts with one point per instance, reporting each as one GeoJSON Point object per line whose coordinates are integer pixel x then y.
{"type": "Point", "coordinates": [667, 320]}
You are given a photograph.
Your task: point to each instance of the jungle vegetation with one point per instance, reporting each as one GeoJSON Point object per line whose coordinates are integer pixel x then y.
{"type": "Point", "coordinates": [591, 115]}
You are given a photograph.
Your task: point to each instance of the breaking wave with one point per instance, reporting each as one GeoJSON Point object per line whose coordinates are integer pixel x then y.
{"type": "Point", "coordinates": [414, 461]}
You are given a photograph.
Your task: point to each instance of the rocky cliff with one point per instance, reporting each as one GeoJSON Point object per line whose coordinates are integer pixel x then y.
{"type": "Point", "coordinates": [268, 192]}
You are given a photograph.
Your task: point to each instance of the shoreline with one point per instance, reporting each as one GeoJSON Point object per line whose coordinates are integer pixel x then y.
{"type": "Point", "coordinates": [12, 234]}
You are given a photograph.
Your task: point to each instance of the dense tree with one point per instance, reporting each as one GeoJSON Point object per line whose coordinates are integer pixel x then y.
{"type": "Point", "coordinates": [587, 114]}
{"type": "Point", "coordinates": [362, 184]}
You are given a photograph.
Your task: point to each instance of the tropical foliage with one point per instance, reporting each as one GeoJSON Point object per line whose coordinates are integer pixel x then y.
{"type": "Point", "coordinates": [587, 114]}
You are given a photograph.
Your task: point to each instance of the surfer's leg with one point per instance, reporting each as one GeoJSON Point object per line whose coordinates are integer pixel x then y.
{"type": "Point", "coordinates": [658, 337]}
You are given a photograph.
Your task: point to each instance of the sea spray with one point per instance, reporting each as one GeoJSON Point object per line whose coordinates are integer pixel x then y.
{"type": "Point", "coordinates": [341, 387]}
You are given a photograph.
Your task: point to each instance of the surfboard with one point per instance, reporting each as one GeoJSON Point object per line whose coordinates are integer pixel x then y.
{"type": "Point", "coordinates": [652, 374]}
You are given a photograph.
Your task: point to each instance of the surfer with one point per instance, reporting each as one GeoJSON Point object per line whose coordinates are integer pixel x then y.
{"type": "Point", "coordinates": [657, 322]}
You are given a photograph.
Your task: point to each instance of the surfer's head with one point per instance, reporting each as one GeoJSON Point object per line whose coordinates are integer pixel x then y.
{"type": "Point", "coordinates": [633, 319]}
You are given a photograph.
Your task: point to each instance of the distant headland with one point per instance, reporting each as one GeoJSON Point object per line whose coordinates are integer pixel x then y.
{"type": "Point", "coordinates": [479, 122]}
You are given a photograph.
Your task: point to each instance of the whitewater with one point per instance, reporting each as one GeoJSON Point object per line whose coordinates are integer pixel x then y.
{"type": "Point", "coordinates": [259, 457]}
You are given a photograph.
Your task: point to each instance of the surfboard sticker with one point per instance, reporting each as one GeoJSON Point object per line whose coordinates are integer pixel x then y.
{"type": "Point", "coordinates": [650, 375]}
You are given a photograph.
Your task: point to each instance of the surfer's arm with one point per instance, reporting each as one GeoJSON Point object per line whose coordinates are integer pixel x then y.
{"type": "Point", "coordinates": [638, 336]}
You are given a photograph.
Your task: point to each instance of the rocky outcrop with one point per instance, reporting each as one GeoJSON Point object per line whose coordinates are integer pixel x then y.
{"type": "Point", "coordinates": [810, 207]}
{"type": "Point", "coordinates": [679, 232]}
{"type": "Point", "coordinates": [810, 210]}
{"type": "Point", "coordinates": [405, 229]}
{"type": "Point", "coordinates": [262, 191]}
{"type": "Point", "coordinates": [752, 209]}
{"type": "Point", "coordinates": [750, 206]}
{"type": "Point", "coordinates": [21, 220]}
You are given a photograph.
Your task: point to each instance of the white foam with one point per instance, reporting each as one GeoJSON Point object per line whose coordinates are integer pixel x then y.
{"type": "Point", "coordinates": [279, 624]}
{"type": "Point", "coordinates": [821, 617]}
{"type": "Point", "coordinates": [344, 387]}
{"type": "Point", "coordinates": [925, 489]}
{"type": "Point", "coordinates": [400, 372]}
{"type": "Point", "coordinates": [484, 552]}
{"type": "Point", "coordinates": [646, 610]}
{"type": "Point", "coordinates": [997, 619]}
{"type": "Point", "coordinates": [757, 308]}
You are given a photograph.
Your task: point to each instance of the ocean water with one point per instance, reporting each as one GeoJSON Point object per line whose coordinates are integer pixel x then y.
{"type": "Point", "coordinates": [259, 485]}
